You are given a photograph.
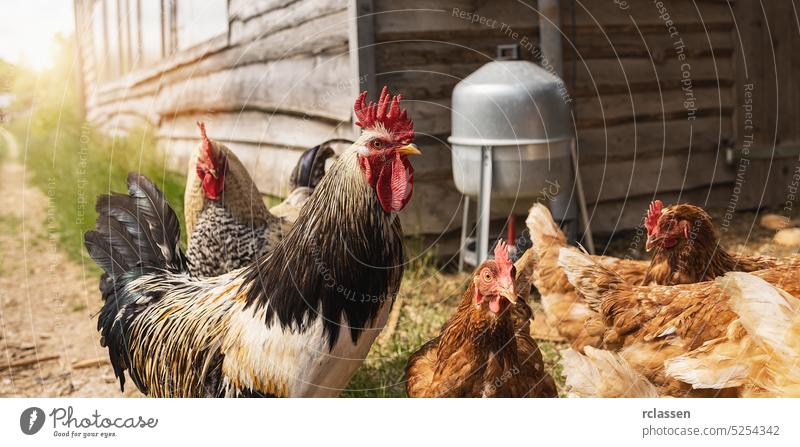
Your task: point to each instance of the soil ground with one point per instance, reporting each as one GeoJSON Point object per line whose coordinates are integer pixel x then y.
{"type": "Point", "coordinates": [47, 301]}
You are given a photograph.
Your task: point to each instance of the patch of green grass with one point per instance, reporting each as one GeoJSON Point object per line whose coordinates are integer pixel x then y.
{"type": "Point", "coordinates": [78, 307]}
{"type": "Point", "coordinates": [73, 163]}
{"type": "Point", "coordinates": [10, 224]}
{"type": "Point", "coordinates": [69, 159]}
{"type": "Point", "coordinates": [3, 150]}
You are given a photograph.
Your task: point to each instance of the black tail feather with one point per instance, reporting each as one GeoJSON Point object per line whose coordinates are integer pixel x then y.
{"type": "Point", "coordinates": [139, 229]}
{"type": "Point", "coordinates": [311, 167]}
{"type": "Point", "coordinates": [135, 233]}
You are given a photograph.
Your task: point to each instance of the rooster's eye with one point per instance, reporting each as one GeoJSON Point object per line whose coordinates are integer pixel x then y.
{"type": "Point", "coordinates": [377, 144]}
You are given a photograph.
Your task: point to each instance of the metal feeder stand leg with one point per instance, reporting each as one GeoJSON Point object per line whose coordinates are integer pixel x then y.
{"type": "Point", "coordinates": [464, 224]}
{"type": "Point", "coordinates": [484, 201]}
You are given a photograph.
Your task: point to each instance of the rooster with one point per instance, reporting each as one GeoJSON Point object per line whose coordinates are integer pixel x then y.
{"type": "Point", "coordinates": [652, 324]}
{"type": "Point", "coordinates": [297, 322]}
{"type": "Point", "coordinates": [485, 349]}
{"type": "Point", "coordinates": [227, 223]}
{"type": "Point", "coordinates": [757, 357]}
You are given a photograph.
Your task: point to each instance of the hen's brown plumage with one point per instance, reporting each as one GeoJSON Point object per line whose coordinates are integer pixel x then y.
{"type": "Point", "coordinates": [564, 309]}
{"type": "Point", "coordinates": [652, 324]}
{"type": "Point", "coordinates": [480, 354]}
{"type": "Point", "coordinates": [698, 257]}
{"type": "Point", "coordinates": [757, 357]}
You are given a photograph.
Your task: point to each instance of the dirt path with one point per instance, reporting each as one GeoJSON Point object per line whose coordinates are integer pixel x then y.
{"type": "Point", "coordinates": [47, 304]}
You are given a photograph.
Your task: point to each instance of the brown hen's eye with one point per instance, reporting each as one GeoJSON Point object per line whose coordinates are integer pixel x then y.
{"type": "Point", "coordinates": [487, 276]}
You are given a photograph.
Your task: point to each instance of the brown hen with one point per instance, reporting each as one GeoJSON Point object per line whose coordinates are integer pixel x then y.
{"type": "Point", "coordinates": [485, 349]}
{"type": "Point", "coordinates": [563, 308]}
{"type": "Point", "coordinates": [685, 247]}
{"type": "Point", "coordinates": [653, 324]}
{"type": "Point", "coordinates": [757, 357]}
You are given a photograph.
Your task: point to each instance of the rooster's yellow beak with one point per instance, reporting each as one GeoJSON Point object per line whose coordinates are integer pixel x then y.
{"type": "Point", "coordinates": [410, 149]}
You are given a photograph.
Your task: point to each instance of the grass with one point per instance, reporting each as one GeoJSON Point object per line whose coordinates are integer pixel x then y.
{"type": "Point", "coordinates": [70, 160]}
{"type": "Point", "coordinates": [3, 150]}
{"type": "Point", "coordinates": [73, 163]}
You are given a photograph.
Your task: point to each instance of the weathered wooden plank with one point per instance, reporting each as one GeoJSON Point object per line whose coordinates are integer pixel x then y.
{"type": "Point", "coordinates": [399, 20]}
{"type": "Point", "coordinates": [178, 59]}
{"type": "Point", "coordinates": [244, 10]}
{"type": "Point", "coordinates": [419, 53]}
{"type": "Point", "coordinates": [614, 109]}
{"type": "Point", "coordinates": [288, 17]}
{"type": "Point", "coordinates": [361, 45]}
{"type": "Point", "coordinates": [442, 65]}
{"type": "Point", "coordinates": [647, 13]}
{"type": "Point", "coordinates": [654, 175]}
{"type": "Point", "coordinates": [639, 74]}
{"type": "Point", "coordinates": [590, 43]}
{"type": "Point", "coordinates": [121, 123]}
{"type": "Point", "coordinates": [317, 87]}
{"type": "Point", "coordinates": [620, 142]}
{"type": "Point", "coordinates": [431, 117]}
{"type": "Point", "coordinates": [256, 128]}
{"type": "Point", "coordinates": [320, 36]}
{"type": "Point", "coordinates": [608, 218]}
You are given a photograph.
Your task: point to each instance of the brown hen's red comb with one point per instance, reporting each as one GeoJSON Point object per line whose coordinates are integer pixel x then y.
{"type": "Point", "coordinates": [653, 213]}
{"type": "Point", "coordinates": [386, 112]}
{"type": "Point", "coordinates": [501, 258]}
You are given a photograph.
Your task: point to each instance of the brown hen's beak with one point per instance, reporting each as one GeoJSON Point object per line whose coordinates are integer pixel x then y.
{"type": "Point", "coordinates": [651, 242]}
{"type": "Point", "coordinates": [509, 294]}
{"type": "Point", "coordinates": [409, 149]}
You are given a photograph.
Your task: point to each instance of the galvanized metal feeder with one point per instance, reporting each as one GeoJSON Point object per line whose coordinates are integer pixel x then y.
{"type": "Point", "coordinates": [511, 140]}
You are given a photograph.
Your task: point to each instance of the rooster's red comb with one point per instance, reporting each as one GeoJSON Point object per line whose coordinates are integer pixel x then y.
{"type": "Point", "coordinates": [653, 213]}
{"type": "Point", "coordinates": [386, 112]}
{"type": "Point", "coordinates": [501, 258]}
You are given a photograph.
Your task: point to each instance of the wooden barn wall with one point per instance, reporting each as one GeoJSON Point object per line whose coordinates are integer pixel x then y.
{"type": "Point", "coordinates": [653, 105]}
{"type": "Point", "coordinates": [767, 133]}
{"type": "Point", "coordinates": [277, 83]}
{"type": "Point", "coordinates": [282, 80]}
{"type": "Point", "coordinates": [637, 138]}
{"type": "Point", "coordinates": [422, 49]}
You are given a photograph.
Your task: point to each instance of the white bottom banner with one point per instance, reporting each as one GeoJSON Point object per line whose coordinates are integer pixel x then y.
{"type": "Point", "coordinates": [399, 422]}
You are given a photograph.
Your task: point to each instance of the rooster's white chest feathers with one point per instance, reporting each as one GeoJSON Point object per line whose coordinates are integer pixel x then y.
{"type": "Point", "coordinates": [290, 362]}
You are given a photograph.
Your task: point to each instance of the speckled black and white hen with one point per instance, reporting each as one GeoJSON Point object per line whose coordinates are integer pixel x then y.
{"type": "Point", "coordinates": [228, 224]}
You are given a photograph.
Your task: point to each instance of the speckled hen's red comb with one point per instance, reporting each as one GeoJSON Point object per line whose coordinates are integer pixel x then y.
{"type": "Point", "coordinates": [207, 149]}
{"type": "Point", "coordinates": [653, 213]}
{"type": "Point", "coordinates": [386, 112]}
{"type": "Point", "coordinates": [501, 258]}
